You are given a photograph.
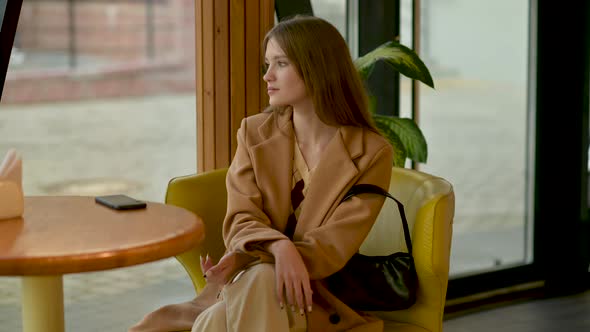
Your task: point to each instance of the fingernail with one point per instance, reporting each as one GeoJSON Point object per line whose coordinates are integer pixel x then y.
{"type": "Point", "coordinates": [309, 309]}
{"type": "Point", "coordinates": [293, 308]}
{"type": "Point", "coordinates": [301, 312]}
{"type": "Point", "coordinates": [281, 304]}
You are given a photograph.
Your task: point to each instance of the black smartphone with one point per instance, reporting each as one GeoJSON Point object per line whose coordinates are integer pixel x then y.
{"type": "Point", "coordinates": [120, 202]}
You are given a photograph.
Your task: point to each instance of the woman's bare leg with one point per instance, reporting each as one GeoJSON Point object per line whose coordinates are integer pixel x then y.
{"type": "Point", "coordinates": [178, 317]}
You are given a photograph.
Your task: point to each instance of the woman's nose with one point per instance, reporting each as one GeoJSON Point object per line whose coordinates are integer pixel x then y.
{"type": "Point", "coordinates": [268, 76]}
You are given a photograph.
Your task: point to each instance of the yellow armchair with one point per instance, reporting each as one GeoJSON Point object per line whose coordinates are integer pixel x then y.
{"type": "Point", "coordinates": [205, 195]}
{"type": "Point", "coordinates": [429, 204]}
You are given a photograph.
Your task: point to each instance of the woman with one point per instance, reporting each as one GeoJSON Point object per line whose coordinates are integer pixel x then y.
{"type": "Point", "coordinates": [317, 129]}
{"type": "Point", "coordinates": [285, 229]}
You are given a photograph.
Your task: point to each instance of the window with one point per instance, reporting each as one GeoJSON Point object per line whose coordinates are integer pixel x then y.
{"type": "Point", "coordinates": [475, 123]}
{"type": "Point", "coordinates": [100, 96]}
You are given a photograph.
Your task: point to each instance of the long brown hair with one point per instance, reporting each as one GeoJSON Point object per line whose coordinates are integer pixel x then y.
{"type": "Point", "coordinates": [323, 61]}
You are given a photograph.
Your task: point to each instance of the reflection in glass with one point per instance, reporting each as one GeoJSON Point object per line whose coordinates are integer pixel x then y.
{"type": "Point", "coordinates": [2, 11]}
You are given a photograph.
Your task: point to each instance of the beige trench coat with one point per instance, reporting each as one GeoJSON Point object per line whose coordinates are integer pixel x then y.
{"type": "Point", "coordinates": [328, 233]}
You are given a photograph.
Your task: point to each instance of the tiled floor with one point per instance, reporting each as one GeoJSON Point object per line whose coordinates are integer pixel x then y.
{"type": "Point", "coordinates": [568, 313]}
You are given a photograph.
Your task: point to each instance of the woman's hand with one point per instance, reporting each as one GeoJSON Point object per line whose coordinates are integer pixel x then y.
{"type": "Point", "coordinates": [227, 266]}
{"type": "Point", "coordinates": [291, 275]}
{"type": "Point", "coordinates": [214, 278]}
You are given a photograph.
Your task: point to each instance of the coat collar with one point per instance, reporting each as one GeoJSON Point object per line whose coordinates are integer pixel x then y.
{"type": "Point", "coordinates": [335, 171]}
{"type": "Point", "coordinates": [279, 120]}
{"type": "Point", "coordinates": [272, 160]}
{"type": "Point", "coordinates": [351, 136]}
{"type": "Point", "coordinates": [273, 157]}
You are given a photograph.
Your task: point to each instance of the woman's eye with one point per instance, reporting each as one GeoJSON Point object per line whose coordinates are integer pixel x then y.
{"type": "Point", "coordinates": [282, 64]}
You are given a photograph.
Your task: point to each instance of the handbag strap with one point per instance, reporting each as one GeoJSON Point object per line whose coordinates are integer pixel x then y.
{"type": "Point", "coordinates": [373, 189]}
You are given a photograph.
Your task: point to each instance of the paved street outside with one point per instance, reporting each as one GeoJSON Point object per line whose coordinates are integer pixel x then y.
{"type": "Point", "coordinates": [132, 145]}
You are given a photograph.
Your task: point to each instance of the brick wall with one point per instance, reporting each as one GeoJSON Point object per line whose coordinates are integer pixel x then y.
{"type": "Point", "coordinates": [112, 49]}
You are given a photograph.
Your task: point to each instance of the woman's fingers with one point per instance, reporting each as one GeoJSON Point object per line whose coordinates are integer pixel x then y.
{"type": "Point", "coordinates": [280, 288]}
{"type": "Point", "coordinates": [299, 297]}
{"type": "Point", "coordinates": [291, 275]}
{"type": "Point", "coordinates": [290, 296]}
{"type": "Point", "coordinates": [303, 295]}
{"type": "Point", "coordinates": [217, 273]}
{"type": "Point", "coordinates": [206, 263]}
{"type": "Point", "coordinates": [308, 294]}
{"type": "Point", "coordinates": [298, 294]}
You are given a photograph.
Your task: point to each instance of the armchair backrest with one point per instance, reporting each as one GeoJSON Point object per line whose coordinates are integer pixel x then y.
{"type": "Point", "coordinates": [205, 195]}
{"type": "Point", "coordinates": [429, 203]}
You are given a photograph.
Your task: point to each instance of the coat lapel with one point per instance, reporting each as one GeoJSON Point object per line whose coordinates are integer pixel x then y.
{"type": "Point", "coordinates": [333, 174]}
{"type": "Point", "coordinates": [272, 160]}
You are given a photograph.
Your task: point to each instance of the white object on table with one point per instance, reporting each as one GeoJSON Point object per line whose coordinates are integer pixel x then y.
{"type": "Point", "coordinates": [11, 193]}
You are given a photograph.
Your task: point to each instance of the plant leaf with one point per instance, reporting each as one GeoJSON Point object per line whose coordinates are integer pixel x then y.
{"type": "Point", "coordinates": [399, 152]}
{"type": "Point", "coordinates": [398, 56]}
{"type": "Point", "coordinates": [409, 134]}
{"type": "Point", "coordinates": [365, 67]}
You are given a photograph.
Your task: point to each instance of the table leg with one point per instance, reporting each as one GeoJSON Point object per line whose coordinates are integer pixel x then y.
{"type": "Point", "coordinates": [43, 304]}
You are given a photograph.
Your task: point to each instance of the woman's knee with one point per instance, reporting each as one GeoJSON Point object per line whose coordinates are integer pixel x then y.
{"type": "Point", "coordinates": [212, 319]}
{"type": "Point", "coordinates": [262, 273]}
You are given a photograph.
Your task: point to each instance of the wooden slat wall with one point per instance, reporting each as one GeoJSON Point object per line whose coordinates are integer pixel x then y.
{"type": "Point", "coordinates": [222, 82]}
{"type": "Point", "coordinates": [267, 20]}
{"type": "Point", "coordinates": [252, 57]}
{"type": "Point", "coordinates": [229, 80]}
{"type": "Point", "coordinates": [199, 80]}
{"type": "Point", "coordinates": [238, 66]}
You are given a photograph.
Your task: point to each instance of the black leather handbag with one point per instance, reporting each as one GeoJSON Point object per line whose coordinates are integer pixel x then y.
{"type": "Point", "coordinates": [377, 283]}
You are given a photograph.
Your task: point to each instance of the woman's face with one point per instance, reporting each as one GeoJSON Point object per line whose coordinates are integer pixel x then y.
{"type": "Point", "coordinates": [284, 85]}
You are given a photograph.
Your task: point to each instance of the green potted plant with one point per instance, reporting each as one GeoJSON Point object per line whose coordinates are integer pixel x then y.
{"type": "Point", "coordinates": [403, 133]}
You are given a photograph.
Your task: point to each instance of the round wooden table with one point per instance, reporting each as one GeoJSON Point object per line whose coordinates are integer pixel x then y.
{"type": "Point", "coordinates": [71, 234]}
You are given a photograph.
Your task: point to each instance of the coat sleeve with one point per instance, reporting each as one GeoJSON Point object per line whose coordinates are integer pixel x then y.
{"type": "Point", "coordinates": [326, 249]}
{"type": "Point", "coordinates": [246, 224]}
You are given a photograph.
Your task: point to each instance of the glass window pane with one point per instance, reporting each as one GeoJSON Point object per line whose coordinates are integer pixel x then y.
{"type": "Point", "coordinates": [2, 11]}
{"type": "Point", "coordinates": [333, 11]}
{"type": "Point", "coordinates": [475, 124]}
{"type": "Point", "coordinates": [99, 99]}
{"type": "Point", "coordinates": [100, 96]}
